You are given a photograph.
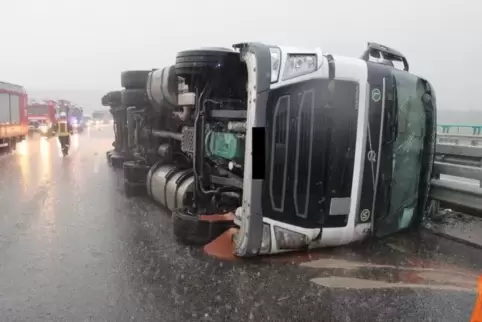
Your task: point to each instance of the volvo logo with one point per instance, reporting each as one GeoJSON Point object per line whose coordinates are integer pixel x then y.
{"type": "Point", "coordinates": [372, 156]}
{"type": "Point", "coordinates": [365, 215]}
{"type": "Point", "coordinates": [376, 95]}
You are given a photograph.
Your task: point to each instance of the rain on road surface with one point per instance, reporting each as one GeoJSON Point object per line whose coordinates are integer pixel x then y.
{"type": "Point", "coordinates": [73, 248]}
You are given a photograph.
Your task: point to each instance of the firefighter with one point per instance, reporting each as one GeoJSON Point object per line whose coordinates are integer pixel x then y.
{"type": "Point", "coordinates": [63, 128]}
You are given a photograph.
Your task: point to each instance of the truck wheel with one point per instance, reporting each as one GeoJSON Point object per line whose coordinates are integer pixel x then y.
{"type": "Point", "coordinates": [8, 148]}
{"type": "Point", "coordinates": [191, 229]}
{"type": "Point", "coordinates": [134, 79]}
{"type": "Point", "coordinates": [134, 189]}
{"type": "Point", "coordinates": [193, 62]}
{"type": "Point", "coordinates": [117, 160]}
{"type": "Point", "coordinates": [135, 172]}
{"type": "Point", "coordinates": [111, 99]}
{"type": "Point", "coordinates": [105, 100]}
{"type": "Point", "coordinates": [134, 97]}
{"type": "Point", "coordinates": [108, 154]}
{"type": "Point", "coordinates": [13, 144]}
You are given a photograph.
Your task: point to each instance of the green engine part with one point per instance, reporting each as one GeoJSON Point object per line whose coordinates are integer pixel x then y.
{"type": "Point", "coordinates": [224, 145]}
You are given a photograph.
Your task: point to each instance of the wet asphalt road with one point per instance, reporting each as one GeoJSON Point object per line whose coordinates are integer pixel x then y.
{"type": "Point", "coordinates": [73, 248]}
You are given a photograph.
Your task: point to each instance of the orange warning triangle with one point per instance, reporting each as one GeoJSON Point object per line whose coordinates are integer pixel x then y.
{"type": "Point", "coordinates": [477, 312]}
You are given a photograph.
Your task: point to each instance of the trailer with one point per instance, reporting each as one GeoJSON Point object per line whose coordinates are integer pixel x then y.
{"type": "Point", "coordinates": [13, 115]}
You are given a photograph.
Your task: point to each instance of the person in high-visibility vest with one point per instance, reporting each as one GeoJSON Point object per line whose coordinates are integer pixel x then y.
{"type": "Point", "coordinates": [63, 128]}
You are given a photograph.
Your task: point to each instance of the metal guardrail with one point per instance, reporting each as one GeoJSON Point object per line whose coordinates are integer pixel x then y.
{"type": "Point", "coordinates": [457, 154]}
{"type": "Point", "coordinates": [458, 138]}
{"type": "Point", "coordinates": [457, 170]}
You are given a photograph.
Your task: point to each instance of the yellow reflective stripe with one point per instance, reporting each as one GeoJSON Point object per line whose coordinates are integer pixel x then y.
{"type": "Point", "coordinates": [63, 128]}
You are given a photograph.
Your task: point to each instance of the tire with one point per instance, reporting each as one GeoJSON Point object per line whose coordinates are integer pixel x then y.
{"type": "Point", "coordinates": [13, 144]}
{"type": "Point", "coordinates": [134, 189]}
{"type": "Point", "coordinates": [108, 154]}
{"type": "Point", "coordinates": [134, 97]}
{"type": "Point", "coordinates": [134, 79]}
{"type": "Point", "coordinates": [9, 148]}
{"type": "Point", "coordinates": [105, 100]}
{"type": "Point", "coordinates": [112, 99]}
{"type": "Point", "coordinates": [117, 160]}
{"type": "Point", "coordinates": [135, 172]}
{"type": "Point", "coordinates": [193, 62]}
{"type": "Point", "coordinates": [189, 229]}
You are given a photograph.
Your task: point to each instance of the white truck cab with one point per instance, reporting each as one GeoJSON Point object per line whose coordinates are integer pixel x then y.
{"type": "Point", "coordinates": [337, 148]}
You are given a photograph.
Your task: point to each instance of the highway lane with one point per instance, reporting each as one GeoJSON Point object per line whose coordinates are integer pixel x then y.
{"type": "Point", "coordinates": [74, 248]}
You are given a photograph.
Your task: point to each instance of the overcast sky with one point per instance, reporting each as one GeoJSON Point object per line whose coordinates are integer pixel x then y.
{"type": "Point", "coordinates": [54, 45]}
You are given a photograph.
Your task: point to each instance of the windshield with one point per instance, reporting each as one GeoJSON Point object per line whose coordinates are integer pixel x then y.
{"type": "Point", "coordinates": [61, 109]}
{"type": "Point", "coordinates": [38, 110]}
{"type": "Point", "coordinates": [407, 149]}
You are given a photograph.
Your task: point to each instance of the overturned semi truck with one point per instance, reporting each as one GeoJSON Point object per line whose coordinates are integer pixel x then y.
{"type": "Point", "coordinates": [284, 148]}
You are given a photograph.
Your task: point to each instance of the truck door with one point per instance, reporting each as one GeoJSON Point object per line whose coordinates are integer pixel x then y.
{"type": "Point", "coordinates": [403, 190]}
{"type": "Point", "coordinates": [396, 150]}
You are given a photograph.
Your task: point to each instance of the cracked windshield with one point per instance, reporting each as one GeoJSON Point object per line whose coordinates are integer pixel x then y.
{"type": "Point", "coordinates": [258, 164]}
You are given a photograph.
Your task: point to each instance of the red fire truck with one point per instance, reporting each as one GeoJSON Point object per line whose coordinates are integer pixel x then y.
{"type": "Point", "coordinates": [13, 115]}
{"type": "Point", "coordinates": [41, 116]}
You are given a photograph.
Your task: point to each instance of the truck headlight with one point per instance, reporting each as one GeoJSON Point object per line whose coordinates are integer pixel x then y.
{"type": "Point", "coordinates": [287, 239]}
{"type": "Point", "coordinates": [266, 241]}
{"type": "Point", "coordinates": [275, 64]}
{"type": "Point", "coordinates": [299, 64]}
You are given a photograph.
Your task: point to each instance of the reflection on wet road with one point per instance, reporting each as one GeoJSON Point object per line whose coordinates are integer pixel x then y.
{"type": "Point", "coordinates": [73, 248]}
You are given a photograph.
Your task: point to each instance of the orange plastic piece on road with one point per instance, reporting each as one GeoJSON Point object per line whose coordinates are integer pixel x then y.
{"type": "Point", "coordinates": [222, 217]}
{"type": "Point", "coordinates": [222, 247]}
{"type": "Point", "coordinates": [477, 312]}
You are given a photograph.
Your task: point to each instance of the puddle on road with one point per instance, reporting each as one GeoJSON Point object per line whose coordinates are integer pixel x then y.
{"type": "Point", "coordinates": [351, 265]}
{"type": "Point", "coordinates": [351, 275]}
{"type": "Point", "coordinates": [361, 284]}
